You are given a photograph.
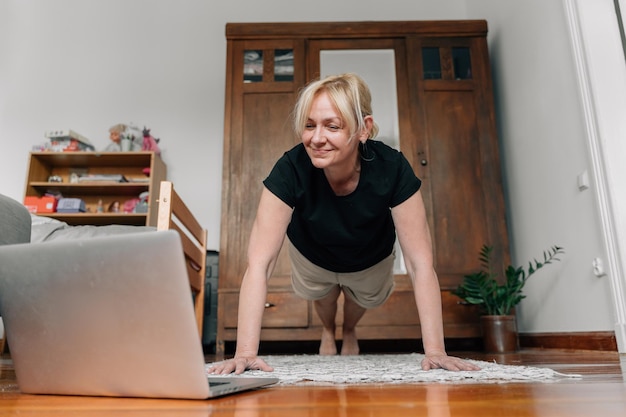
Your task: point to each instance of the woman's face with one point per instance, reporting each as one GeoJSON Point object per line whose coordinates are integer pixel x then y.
{"type": "Point", "coordinates": [326, 137]}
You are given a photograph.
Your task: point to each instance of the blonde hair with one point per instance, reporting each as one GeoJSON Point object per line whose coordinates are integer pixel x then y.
{"type": "Point", "coordinates": [349, 94]}
{"type": "Point", "coordinates": [118, 128]}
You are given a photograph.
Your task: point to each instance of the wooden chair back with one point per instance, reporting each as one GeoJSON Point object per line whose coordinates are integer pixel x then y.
{"type": "Point", "coordinates": [173, 214]}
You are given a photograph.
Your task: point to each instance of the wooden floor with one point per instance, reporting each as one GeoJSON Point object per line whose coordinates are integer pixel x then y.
{"type": "Point", "coordinates": [601, 392]}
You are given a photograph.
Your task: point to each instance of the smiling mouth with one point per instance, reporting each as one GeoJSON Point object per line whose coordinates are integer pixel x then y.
{"type": "Point", "coordinates": [319, 152]}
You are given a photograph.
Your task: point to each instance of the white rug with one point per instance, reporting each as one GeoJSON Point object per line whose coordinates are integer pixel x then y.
{"type": "Point", "coordinates": [392, 369]}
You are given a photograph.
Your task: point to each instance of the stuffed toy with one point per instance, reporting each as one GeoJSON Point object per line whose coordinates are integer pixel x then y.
{"type": "Point", "coordinates": [122, 132]}
{"type": "Point", "coordinates": [150, 142]}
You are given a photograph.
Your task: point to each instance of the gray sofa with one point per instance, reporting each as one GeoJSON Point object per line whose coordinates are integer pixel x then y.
{"type": "Point", "coordinates": [15, 222]}
{"type": "Point", "coordinates": [15, 226]}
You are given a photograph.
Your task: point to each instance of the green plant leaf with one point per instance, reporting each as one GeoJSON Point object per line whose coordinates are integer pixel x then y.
{"type": "Point", "coordinates": [483, 288]}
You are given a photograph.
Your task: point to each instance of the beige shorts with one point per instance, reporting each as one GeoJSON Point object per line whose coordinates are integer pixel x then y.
{"type": "Point", "coordinates": [369, 288]}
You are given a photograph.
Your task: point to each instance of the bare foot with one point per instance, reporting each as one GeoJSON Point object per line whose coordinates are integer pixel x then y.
{"type": "Point", "coordinates": [328, 345]}
{"type": "Point", "coordinates": [350, 344]}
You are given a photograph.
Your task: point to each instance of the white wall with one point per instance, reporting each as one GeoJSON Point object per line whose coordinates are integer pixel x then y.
{"type": "Point", "coordinates": [545, 147]}
{"type": "Point", "coordinates": [88, 64]}
{"type": "Point", "coordinates": [601, 65]}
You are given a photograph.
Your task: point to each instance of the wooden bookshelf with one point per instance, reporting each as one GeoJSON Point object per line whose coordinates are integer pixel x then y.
{"type": "Point", "coordinates": [66, 165]}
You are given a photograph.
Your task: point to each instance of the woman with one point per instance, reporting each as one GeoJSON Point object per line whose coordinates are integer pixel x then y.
{"type": "Point", "coordinates": [340, 198]}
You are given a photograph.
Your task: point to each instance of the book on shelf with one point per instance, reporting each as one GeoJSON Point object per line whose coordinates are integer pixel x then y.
{"type": "Point", "coordinates": [86, 178]}
{"type": "Point", "coordinates": [141, 180]}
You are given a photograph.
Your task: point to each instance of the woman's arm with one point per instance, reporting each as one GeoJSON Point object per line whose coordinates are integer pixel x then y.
{"type": "Point", "coordinates": [414, 236]}
{"type": "Point", "coordinates": [266, 239]}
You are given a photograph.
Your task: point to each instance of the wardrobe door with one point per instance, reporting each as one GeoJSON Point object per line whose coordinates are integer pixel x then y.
{"type": "Point", "coordinates": [263, 77]}
{"type": "Point", "coordinates": [458, 158]}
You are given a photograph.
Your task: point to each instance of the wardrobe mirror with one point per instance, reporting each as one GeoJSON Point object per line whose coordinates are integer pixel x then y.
{"type": "Point", "coordinates": [377, 68]}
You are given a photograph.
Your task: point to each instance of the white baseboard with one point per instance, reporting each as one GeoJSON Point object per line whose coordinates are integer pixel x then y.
{"type": "Point", "coordinates": [620, 337]}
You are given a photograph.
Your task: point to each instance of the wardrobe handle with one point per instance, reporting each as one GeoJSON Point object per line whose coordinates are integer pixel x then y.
{"type": "Point", "coordinates": [424, 162]}
{"type": "Point", "coordinates": [269, 305]}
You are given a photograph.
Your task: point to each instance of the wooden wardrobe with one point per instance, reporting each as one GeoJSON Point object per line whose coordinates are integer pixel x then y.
{"type": "Point", "coordinates": [447, 131]}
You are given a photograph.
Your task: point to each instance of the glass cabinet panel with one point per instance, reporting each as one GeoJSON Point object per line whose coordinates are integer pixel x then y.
{"type": "Point", "coordinates": [431, 63]}
{"type": "Point", "coordinates": [461, 63]}
{"type": "Point", "coordinates": [252, 66]}
{"type": "Point", "coordinates": [283, 65]}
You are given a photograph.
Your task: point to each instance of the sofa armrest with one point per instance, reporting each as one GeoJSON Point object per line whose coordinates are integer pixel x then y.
{"type": "Point", "coordinates": [15, 222]}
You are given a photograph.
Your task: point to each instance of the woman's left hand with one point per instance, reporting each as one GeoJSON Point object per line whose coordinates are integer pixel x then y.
{"type": "Point", "coordinates": [443, 361]}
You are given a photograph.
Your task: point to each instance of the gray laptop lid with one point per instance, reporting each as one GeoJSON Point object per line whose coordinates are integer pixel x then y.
{"type": "Point", "coordinates": [110, 316]}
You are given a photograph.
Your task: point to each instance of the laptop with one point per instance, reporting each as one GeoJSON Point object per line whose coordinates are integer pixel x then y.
{"type": "Point", "coordinates": [107, 316]}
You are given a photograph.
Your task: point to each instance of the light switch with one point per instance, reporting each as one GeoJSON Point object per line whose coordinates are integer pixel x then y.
{"type": "Point", "coordinates": [583, 180]}
{"type": "Point", "coordinates": [598, 267]}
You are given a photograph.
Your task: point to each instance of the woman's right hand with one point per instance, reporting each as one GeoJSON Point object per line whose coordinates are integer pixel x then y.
{"type": "Point", "coordinates": [239, 365]}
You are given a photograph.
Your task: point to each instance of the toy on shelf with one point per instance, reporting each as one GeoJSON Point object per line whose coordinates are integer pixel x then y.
{"type": "Point", "coordinates": [150, 143]}
{"type": "Point", "coordinates": [114, 207]}
{"type": "Point", "coordinates": [129, 138]}
{"type": "Point", "coordinates": [124, 138]}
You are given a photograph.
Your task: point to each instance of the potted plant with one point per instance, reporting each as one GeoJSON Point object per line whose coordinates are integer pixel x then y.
{"type": "Point", "coordinates": [497, 298]}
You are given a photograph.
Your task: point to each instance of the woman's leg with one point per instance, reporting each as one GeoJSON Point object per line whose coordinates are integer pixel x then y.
{"type": "Point", "coordinates": [327, 311]}
{"type": "Point", "coordinates": [352, 313]}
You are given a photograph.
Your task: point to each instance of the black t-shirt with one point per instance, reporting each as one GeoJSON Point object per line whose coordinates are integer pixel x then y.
{"type": "Point", "coordinates": [343, 233]}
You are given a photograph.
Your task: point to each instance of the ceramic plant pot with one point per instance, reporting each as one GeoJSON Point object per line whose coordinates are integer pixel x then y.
{"type": "Point", "coordinates": [500, 334]}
